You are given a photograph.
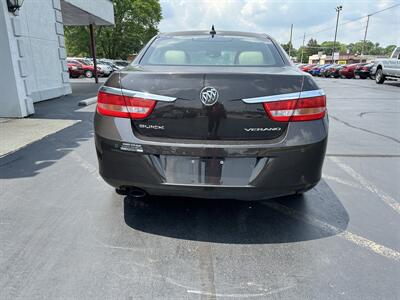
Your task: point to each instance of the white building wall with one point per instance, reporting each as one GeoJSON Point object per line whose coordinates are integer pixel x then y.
{"type": "Point", "coordinates": [42, 29]}
{"type": "Point", "coordinates": [33, 49]}
{"type": "Point", "coordinates": [14, 101]}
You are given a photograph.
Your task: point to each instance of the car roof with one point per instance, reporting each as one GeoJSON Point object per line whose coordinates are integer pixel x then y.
{"type": "Point", "coordinates": [219, 33]}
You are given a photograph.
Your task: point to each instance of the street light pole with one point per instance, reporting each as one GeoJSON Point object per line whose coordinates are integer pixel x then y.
{"type": "Point", "coordinates": [338, 9]}
{"type": "Point", "coordinates": [93, 50]}
{"type": "Point", "coordinates": [290, 41]}
{"type": "Point", "coordinates": [365, 36]}
{"type": "Point", "coordinates": [302, 48]}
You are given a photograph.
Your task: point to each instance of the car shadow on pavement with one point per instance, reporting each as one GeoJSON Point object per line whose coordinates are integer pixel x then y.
{"type": "Point", "coordinates": [34, 157]}
{"type": "Point", "coordinates": [280, 220]}
{"type": "Point", "coordinates": [393, 83]}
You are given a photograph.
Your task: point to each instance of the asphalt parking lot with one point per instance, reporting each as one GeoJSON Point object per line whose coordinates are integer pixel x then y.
{"type": "Point", "coordinates": [65, 234]}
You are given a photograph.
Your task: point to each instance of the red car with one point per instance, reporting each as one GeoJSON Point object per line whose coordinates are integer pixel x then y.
{"type": "Point", "coordinates": [74, 70]}
{"type": "Point", "coordinates": [307, 68]}
{"type": "Point", "coordinates": [87, 70]}
{"type": "Point", "coordinates": [348, 71]}
{"type": "Point", "coordinates": [363, 70]}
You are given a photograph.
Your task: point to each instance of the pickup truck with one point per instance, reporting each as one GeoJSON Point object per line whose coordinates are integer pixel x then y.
{"type": "Point", "coordinates": [387, 67]}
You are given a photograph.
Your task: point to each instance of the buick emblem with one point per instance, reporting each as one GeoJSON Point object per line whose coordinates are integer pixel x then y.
{"type": "Point", "coordinates": [209, 96]}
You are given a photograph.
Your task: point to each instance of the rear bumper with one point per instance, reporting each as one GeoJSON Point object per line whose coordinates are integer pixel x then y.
{"type": "Point", "coordinates": [238, 171]}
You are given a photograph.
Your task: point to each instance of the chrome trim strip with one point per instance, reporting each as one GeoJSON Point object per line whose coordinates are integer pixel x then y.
{"type": "Point", "coordinates": [111, 90]}
{"type": "Point", "coordinates": [148, 96]}
{"type": "Point", "coordinates": [130, 93]}
{"type": "Point", "coordinates": [290, 96]}
{"type": "Point", "coordinates": [272, 98]}
{"type": "Point", "coordinates": [313, 93]}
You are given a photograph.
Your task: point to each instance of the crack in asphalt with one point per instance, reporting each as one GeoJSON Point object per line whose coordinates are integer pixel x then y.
{"type": "Point", "coordinates": [365, 130]}
{"type": "Point", "coordinates": [377, 112]}
{"type": "Point", "coordinates": [363, 155]}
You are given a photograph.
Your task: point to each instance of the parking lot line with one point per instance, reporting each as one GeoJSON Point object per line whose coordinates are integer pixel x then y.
{"type": "Point", "coordinates": [388, 200]}
{"type": "Point", "coordinates": [340, 180]}
{"type": "Point", "coordinates": [347, 235]}
{"type": "Point", "coordinates": [333, 230]}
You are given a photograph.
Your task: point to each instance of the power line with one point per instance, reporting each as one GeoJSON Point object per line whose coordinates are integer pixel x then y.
{"type": "Point", "coordinates": [350, 21]}
{"type": "Point", "coordinates": [359, 29]}
{"type": "Point", "coordinates": [377, 12]}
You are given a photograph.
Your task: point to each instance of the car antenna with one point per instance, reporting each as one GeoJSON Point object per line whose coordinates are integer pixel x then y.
{"type": "Point", "coordinates": [213, 32]}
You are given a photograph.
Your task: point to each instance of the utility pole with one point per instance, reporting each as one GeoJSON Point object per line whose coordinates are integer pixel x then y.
{"type": "Point", "coordinates": [93, 50]}
{"type": "Point", "coordinates": [365, 36]}
{"type": "Point", "coordinates": [290, 42]}
{"type": "Point", "coordinates": [338, 9]}
{"type": "Point", "coordinates": [302, 48]}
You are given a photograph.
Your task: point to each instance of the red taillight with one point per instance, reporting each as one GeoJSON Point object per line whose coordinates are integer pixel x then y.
{"type": "Point", "coordinates": [124, 106]}
{"type": "Point", "coordinates": [303, 109]}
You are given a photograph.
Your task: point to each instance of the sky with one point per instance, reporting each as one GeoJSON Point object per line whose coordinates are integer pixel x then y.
{"type": "Point", "coordinates": [316, 18]}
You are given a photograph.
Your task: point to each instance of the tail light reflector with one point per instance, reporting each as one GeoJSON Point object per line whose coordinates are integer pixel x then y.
{"type": "Point", "coordinates": [303, 109]}
{"type": "Point", "coordinates": [123, 106]}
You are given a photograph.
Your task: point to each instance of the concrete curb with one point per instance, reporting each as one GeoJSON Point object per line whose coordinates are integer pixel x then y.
{"type": "Point", "coordinates": [88, 101]}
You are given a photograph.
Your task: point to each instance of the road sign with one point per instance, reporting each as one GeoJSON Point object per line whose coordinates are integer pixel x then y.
{"type": "Point", "coordinates": [336, 56]}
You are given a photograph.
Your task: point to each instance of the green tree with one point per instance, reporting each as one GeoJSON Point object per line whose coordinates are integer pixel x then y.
{"type": "Point", "coordinates": [293, 51]}
{"type": "Point", "coordinates": [369, 48]}
{"type": "Point", "coordinates": [302, 56]}
{"type": "Point", "coordinates": [389, 49]}
{"type": "Point", "coordinates": [311, 49]}
{"type": "Point", "coordinates": [136, 22]}
{"type": "Point", "coordinates": [357, 47]}
{"type": "Point", "coordinates": [327, 47]}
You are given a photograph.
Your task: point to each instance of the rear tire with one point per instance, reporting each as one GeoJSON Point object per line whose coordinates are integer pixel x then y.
{"type": "Point", "coordinates": [379, 77]}
{"type": "Point", "coordinates": [88, 74]}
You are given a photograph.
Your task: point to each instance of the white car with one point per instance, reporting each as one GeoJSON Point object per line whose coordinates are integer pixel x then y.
{"type": "Point", "coordinates": [105, 69]}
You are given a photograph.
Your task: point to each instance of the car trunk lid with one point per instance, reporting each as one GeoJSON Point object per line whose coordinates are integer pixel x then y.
{"type": "Point", "coordinates": [229, 118]}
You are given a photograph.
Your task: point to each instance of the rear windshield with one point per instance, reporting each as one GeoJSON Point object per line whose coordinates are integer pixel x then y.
{"type": "Point", "coordinates": [208, 51]}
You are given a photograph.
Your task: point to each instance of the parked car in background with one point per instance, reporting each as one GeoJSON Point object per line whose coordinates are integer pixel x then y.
{"type": "Point", "coordinates": [314, 71]}
{"type": "Point", "coordinates": [88, 68]}
{"type": "Point", "coordinates": [363, 70]}
{"type": "Point", "coordinates": [348, 71]}
{"type": "Point", "coordinates": [335, 71]}
{"type": "Point", "coordinates": [105, 69]}
{"type": "Point", "coordinates": [110, 64]}
{"type": "Point", "coordinates": [318, 70]}
{"type": "Point", "coordinates": [307, 67]}
{"type": "Point", "coordinates": [121, 63]}
{"type": "Point", "coordinates": [328, 71]}
{"type": "Point", "coordinates": [323, 69]}
{"type": "Point", "coordinates": [75, 69]}
{"type": "Point", "coordinates": [185, 119]}
{"type": "Point", "coordinates": [387, 68]}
